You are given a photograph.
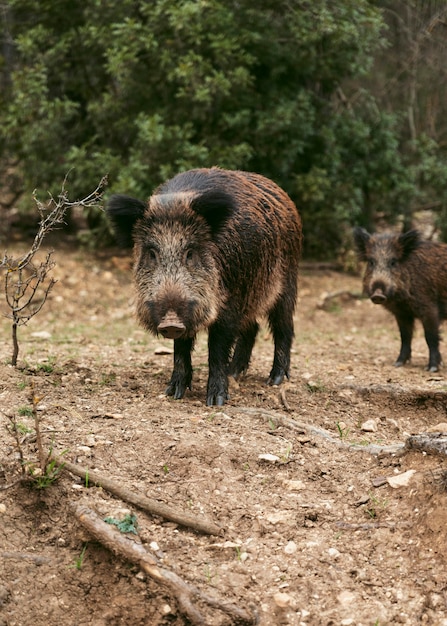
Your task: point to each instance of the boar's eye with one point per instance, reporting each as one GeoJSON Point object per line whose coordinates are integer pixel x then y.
{"type": "Point", "coordinates": [151, 254]}
{"type": "Point", "coordinates": [370, 263]}
{"type": "Point", "coordinates": [190, 257]}
{"type": "Point", "coordinates": [393, 262]}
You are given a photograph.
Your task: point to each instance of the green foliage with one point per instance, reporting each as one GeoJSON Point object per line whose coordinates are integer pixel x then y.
{"type": "Point", "coordinates": [142, 90]}
{"type": "Point", "coordinates": [127, 525]}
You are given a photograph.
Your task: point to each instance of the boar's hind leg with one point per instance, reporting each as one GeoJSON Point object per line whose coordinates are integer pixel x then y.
{"type": "Point", "coordinates": [242, 351]}
{"type": "Point", "coordinates": [220, 341]}
{"type": "Point", "coordinates": [431, 330]}
{"type": "Point", "coordinates": [182, 373]}
{"type": "Point", "coordinates": [406, 325]}
{"type": "Point", "coordinates": [281, 324]}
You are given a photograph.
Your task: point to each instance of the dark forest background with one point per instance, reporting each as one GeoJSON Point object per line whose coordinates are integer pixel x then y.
{"type": "Point", "coordinates": [342, 103]}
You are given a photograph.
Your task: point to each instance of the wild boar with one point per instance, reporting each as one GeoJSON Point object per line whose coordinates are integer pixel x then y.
{"type": "Point", "coordinates": [214, 249]}
{"type": "Point", "coordinates": [408, 276]}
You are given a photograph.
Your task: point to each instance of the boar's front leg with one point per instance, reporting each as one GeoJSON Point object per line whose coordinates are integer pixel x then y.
{"type": "Point", "coordinates": [405, 321]}
{"type": "Point", "coordinates": [220, 342]}
{"type": "Point", "coordinates": [281, 324]}
{"type": "Point", "coordinates": [182, 373]}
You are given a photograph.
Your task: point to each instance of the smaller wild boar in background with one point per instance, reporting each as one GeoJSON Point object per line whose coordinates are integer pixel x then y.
{"type": "Point", "coordinates": [408, 276]}
{"type": "Point", "coordinates": [214, 250]}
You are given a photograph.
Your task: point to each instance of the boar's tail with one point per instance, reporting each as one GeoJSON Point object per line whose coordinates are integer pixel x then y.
{"type": "Point", "coordinates": [123, 211]}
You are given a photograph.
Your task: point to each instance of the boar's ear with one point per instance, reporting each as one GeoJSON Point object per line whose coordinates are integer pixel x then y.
{"type": "Point", "coordinates": [123, 212]}
{"type": "Point", "coordinates": [215, 206]}
{"type": "Point", "coordinates": [409, 241]}
{"type": "Point", "coordinates": [361, 238]}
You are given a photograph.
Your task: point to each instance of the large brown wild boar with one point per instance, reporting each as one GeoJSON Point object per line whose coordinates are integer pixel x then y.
{"type": "Point", "coordinates": [408, 276]}
{"type": "Point", "coordinates": [217, 250]}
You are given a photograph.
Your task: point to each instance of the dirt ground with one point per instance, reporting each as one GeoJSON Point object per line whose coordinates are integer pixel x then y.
{"type": "Point", "coordinates": [299, 478]}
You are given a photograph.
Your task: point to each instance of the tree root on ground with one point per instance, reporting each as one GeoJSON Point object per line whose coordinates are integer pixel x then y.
{"type": "Point", "coordinates": [141, 501]}
{"type": "Point", "coordinates": [184, 593]}
{"type": "Point", "coordinates": [308, 429]}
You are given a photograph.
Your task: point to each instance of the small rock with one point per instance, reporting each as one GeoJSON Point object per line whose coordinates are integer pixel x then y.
{"type": "Point", "coordinates": [85, 449]}
{"type": "Point", "coordinates": [2, 508]}
{"type": "Point", "coordinates": [369, 426]}
{"type": "Point", "coordinates": [346, 597]}
{"type": "Point", "coordinates": [401, 480]}
{"type": "Point", "coordinates": [294, 485]}
{"type": "Point", "coordinates": [163, 350]}
{"type": "Point", "coordinates": [438, 428]}
{"type": "Point", "coordinates": [166, 609]}
{"type": "Point", "coordinates": [282, 599]}
{"type": "Point", "coordinates": [271, 458]}
{"type": "Point", "coordinates": [41, 334]}
{"type": "Point", "coordinates": [333, 553]}
{"type": "Point", "coordinates": [290, 547]}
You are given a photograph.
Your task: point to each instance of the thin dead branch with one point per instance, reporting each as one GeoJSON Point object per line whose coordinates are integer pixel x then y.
{"type": "Point", "coordinates": [25, 556]}
{"type": "Point", "coordinates": [137, 499]}
{"type": "Point", "coordinates": [27, 285]}
{"type": "Point", "coordinates": [185, 594]}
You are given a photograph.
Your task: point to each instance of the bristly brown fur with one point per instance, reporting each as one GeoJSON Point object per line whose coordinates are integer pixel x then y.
{"type": "Point", "coordinates": [217, 249]}
{"type": "Point", "coordinates": [408, 276]}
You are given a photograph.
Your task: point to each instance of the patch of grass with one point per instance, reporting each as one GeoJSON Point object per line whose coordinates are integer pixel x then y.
{"type": "Point", "coordinates": [41, 479]}
{"type": "Point", "coordinates": [342, 432]}
{"type": "Point", "coordinates": [47, 366]}
{"type": "Point", "coordinates": [80, 560]}
{"type": "Point", "coordinates": [376, 505]}
{"type": "Point", "coordinates": [25, 411]}
{"type": "Point", "coordinates": [23, 429]}
{"type": "Point", "coordinates": [21, 385]}
{"type": "Point", "coordinates": [108, 379]}
{"type": "Point", "coordinates": [208, 573]}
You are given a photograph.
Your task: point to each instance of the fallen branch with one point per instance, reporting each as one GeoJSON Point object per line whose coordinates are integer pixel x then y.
{"type": "Point", "coordinates": [36, 558]}
{"type": "Point", "coordinates": [141, 501]}
{"type": "Point", "coordinates": [308, 429]}
{"type": "Point", "coordinates": [431, 443]}
{"type": "Point", "coordinates": [184, 593]}
{"type": "Point", "coordinates": [372, 525]}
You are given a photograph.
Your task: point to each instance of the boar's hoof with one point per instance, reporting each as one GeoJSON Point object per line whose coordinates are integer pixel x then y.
{"type": "Point", "coordinates": [171, 326]}
{"type": "Point", "coordinates": [177, 387]}
{"type": "Point", "coordinates": [216, 400]}
{"type": "Point", "coordinates": [378, 297]}
{"type": "Point", "coordinates": [275, 380]}
{"type": "Point", "coordinates": [433, 368]}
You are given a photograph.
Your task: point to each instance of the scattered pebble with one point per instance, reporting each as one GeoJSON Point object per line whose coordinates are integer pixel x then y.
{"type": "Point", "coordinates": [369, 426]}
{"type": "Point", "coordinates": [271, 458]}
{"type": "Point", "coordinates": [282, 599]}
{"type": "Point", "coordinates": [401, 480]}
{"type": "Point", "coordinates": [290, 547]}
{"type": "Point", "coordinates": [41, 334]}
{"type": "Point", "coordinates": [334, 553]}
{"type": "Point", "coordinates": [438, 428]}
{"type": "Point", "coordinates": [163, 350]}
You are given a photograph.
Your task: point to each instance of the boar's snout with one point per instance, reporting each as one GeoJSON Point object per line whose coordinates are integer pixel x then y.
{"type": "Point", "coordinates": [171, 326]}
{"type": "Point", "coordinates": [378, 297]}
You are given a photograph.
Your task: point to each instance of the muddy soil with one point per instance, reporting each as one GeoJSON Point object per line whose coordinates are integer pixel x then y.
{"type": "Point", "coordinates": [299, 478]}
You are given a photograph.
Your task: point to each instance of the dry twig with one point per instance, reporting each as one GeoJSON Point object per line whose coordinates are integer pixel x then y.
{"type": "Point", "coordinates": [27, 285]}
